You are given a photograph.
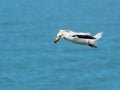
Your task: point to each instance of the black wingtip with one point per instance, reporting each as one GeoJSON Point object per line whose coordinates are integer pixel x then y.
{"type": "Point", "coordinates": [84, 36]}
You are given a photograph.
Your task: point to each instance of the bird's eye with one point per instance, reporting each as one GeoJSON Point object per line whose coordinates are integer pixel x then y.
{"type": "Point", "coordinates": [60, 36]}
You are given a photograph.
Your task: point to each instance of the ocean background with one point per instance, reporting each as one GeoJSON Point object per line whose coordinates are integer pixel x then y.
{"type": "Point", "coordinates": [29, 60]}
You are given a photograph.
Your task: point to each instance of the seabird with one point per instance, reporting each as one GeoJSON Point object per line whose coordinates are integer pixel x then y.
{"type": "Point", "coordinates": [78, 37]}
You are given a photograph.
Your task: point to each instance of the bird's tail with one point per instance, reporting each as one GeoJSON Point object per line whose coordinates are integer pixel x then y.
{"type": "Point", "coordinates": [97, 36]}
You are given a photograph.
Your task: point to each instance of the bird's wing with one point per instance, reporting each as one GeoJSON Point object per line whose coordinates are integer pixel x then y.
{"type": "Point", "coordinates": [83, 36]}
{"type": "Point", "coordinates": [82, 33]}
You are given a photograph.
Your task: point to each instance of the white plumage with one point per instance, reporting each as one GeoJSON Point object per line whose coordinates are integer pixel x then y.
{"type": "Point", "coordinates": [78, 37]}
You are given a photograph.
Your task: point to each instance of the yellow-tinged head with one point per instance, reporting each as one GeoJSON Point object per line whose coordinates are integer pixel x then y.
{"type": "Point", "coordinates": [59, 36]}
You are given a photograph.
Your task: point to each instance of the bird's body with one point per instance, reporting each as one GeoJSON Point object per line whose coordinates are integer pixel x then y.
{"type": "Point", "coordinates": [78, 37]}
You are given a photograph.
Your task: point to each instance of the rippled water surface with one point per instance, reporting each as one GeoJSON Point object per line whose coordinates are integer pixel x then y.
{"type": "Point", "coordinates": [29, 60]}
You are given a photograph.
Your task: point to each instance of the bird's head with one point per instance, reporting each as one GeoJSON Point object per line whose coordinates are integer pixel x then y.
{"type": "Point", "coordinates": [59, 36]}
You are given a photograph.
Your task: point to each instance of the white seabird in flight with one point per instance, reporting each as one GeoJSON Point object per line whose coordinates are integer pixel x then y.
{"type": "Point", "coordinates": [78, 37]}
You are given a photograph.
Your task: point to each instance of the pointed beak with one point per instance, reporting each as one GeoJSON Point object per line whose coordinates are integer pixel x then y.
{"type": "Point", "coordinates": [56, 39]}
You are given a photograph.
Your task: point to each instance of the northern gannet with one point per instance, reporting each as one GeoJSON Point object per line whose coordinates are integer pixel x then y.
{"type": "Point", "coordinates": [78, 37]}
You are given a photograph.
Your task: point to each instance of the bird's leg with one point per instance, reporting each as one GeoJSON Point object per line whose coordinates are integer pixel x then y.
{"type": "Point", "coordinates": [92, 44]}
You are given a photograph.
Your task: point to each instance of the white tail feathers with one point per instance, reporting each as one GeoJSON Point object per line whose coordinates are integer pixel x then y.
{"type": "Point", "coordinates": [98, 36]}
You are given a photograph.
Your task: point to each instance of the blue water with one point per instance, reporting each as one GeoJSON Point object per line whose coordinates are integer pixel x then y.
{"type": "Point", "coordinates": [29, 60]}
